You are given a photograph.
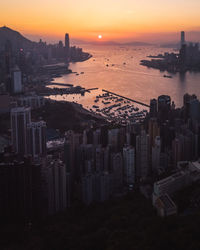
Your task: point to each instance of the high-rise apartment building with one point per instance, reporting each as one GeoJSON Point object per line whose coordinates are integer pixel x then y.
{"type": "Point", "coordinates": [56, 179]}
{"type": "Point", "coordinates": [129, 165]}
{"type": "Point", "coordinates": [154, 130]}
{"type": "Point", "coordinates": [36, 138]}
{"type": "Point", "coordinates": [117, 171]}
{"type": "Point", "coordinates": [156, 149]}
{"type": "Point", "coordinates": [20, 118]}
{"type": "Point", "coordinates": [16, 80]}
{"type": "Point", "coordinates": [142, 155]}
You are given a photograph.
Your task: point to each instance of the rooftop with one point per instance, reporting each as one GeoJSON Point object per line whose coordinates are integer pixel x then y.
{"type": "Point", "coordinates": [170, 178]}
{"type": "Point", "coordinates": [167, 201]}
{"type": "Point", "coordinates": [20, 109]}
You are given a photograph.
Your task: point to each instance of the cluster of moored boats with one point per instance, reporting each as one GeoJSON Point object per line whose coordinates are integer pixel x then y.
{"type": "Point", "coordinates": [120, 110]}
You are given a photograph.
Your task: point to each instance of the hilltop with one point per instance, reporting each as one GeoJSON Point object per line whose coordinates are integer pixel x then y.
{"type": "Point", "coordinates": [17, 40]}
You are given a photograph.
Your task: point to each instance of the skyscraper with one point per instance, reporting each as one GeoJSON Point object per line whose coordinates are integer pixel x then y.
{"type": "Point", "coordinates": [156, 149]}
{"type": "Point", "coordinates": [153, 108]}
{"type": "Point", "coordinates": [67, 41]}
{"type": "Point", "coordinates": [142, 155]}
{"type": "Point", "coordinates": [117, 171]}
{"type": "Point", "coordinates": [97, 137]}
{"type": "Point", "coordinates": [164, 106]}
{"type": "Point", "coordinates": [113, 137]}
{"type": "Point", "coordinates": [67, 46]}
{"type": "Point", "coordinates": [87, 182]}
{"type": "Point", "coordinates": [129, 165]}
{"type": "Point", "coordinates": [16, 80]}
{"type": "Point", "coordinates": [182, 38]}
{"type": "Point", "coordinates": [99, 161]}
{"type": "Point", "coordinates": [164, 103]}
{"type": "Point", "coordinates": [154, 130]}
{"type": "Point", "coordinates": [36, 138]}
{"type": "Point", "coordinates": [20, 118]}
{"type": "Point", "coordinates": [55, 177]}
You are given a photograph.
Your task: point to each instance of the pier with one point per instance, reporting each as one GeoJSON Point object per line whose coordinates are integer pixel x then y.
{"type": "Point", "coordinates": [129, 99]}
{"type": "Point", "coordinates": [60, 84]}
{"type": "Point", "coordinates": [88, 90]}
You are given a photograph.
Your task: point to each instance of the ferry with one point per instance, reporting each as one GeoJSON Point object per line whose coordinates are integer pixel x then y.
{"type": "Point", "coordinates": [167, 76]}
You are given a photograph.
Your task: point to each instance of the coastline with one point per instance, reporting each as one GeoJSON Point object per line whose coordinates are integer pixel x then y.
{"type": "Point", "coordinates": [171, 62]}
{"type": "Point", "coordinates": [48, 73]}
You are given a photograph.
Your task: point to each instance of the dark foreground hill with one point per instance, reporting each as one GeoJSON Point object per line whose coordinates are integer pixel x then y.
{"type": "Point", "coordinates": [126, 224]}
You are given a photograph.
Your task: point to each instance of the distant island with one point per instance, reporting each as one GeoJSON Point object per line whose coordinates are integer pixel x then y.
{"type": "Point", "coordinates": [188, 59]}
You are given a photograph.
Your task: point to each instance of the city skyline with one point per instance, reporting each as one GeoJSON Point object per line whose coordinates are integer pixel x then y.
{"type": "Point", "coordinates": [98, 142]}
{"type": "Point", "coordinates": [120, 21]}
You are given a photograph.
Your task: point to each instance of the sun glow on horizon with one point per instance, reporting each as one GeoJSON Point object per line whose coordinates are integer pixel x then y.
{"type": "Point", "coordinates": [147, 20]}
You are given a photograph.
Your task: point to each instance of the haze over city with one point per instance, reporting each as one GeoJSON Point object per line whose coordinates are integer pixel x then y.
{"type": "Point", "coordinates": [118, 20]}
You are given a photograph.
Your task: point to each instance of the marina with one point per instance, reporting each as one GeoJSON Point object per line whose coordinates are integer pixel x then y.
{"type": "Point", "coordinates": [118, 109]}
{"type": "Point", "coordinates": [132, 100]}
{"type": "Point", "coordinates": [111, 106]}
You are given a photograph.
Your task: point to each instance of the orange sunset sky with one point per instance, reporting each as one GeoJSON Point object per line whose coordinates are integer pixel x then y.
{"type": "Point", "coordinates": [119, 20]}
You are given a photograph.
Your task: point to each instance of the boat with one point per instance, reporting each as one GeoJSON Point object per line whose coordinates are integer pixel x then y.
{"type": "Point", "coordinates": [82, 72]}
{"type": "Point", "coordinates": [167, 76]}
{"type": "Point", "coordinates": [96, 107]}
{"type": "Point", "coordinates": [107, 65]}
{"type": "Point", "coordinates": [106, 102]}
{"type": "Point", "coordinates": [77, 74]}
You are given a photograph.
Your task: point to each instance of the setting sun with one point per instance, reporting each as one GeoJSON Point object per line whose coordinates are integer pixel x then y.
{"type": "Point", "coordinates": [100, 36]}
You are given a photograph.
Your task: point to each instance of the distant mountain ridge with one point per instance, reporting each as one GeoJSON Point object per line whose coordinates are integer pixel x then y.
{"type": "Point", "coordinates": [133, 43]}
{"type": "Point", "coordinates": [17, 40]}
